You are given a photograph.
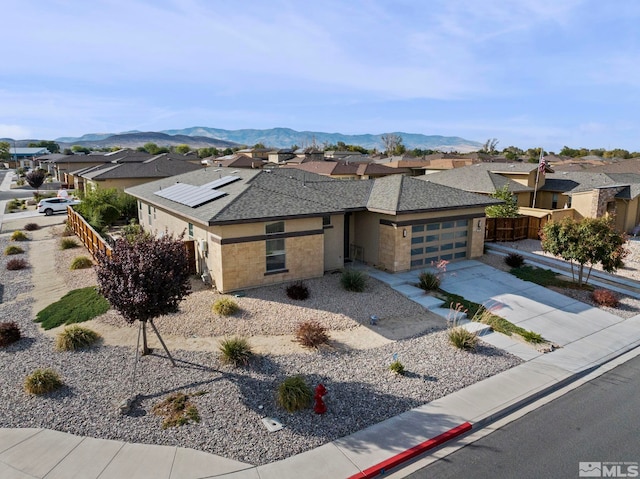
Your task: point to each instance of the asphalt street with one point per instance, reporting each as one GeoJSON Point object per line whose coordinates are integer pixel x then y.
{"type": "Point", "coordinates": [597, 422]}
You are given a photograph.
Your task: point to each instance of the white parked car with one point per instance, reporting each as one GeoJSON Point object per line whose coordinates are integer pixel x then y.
{"type": "Point", "coordinates": [49, 206]}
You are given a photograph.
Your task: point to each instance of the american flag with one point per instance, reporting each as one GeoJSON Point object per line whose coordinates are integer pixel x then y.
{"type": "Point", "coordinates": [542, 165]}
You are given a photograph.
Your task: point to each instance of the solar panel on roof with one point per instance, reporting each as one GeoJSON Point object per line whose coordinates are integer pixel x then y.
{"type": "Point", "coordinates": [225, 180]}
{"type": "Point", "coordinates": [189, 195]}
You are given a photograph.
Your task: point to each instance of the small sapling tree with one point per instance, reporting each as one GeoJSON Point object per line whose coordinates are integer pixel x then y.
{"type": "Point", "coordinates": [143, 278]}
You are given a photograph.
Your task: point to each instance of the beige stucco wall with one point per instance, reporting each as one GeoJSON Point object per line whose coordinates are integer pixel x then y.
{"type": "Point", "coordinates": [120, 183]}
{"type": "Point", "coordinates": [333, 244]}
{"type": "Point", "coordinates": [631, 215]}
{"type": "Point", "coordinates": [581, 204]}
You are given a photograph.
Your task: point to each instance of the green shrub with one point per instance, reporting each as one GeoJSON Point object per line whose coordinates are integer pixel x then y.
{"type": "Point", "coordinates": [428, 281]}
{"type": "Point", "coordinates": [68, 243]}
{"type": "Point", "coordinates": [604, 297]}
{"type": "Point", "coordinates": [298, 291]}
{"type": "Point", "coordinates": [225, 306]}
{"type": "Point", "coordinates": [19, 236]}
{"type": "Point", "coordinates": [311, 334]}
{"type": "Point", "coordinates": [397, 367]}
{"type": "Point", "coordinates": [9, 333]}
{"type": "Point", "coordinates": [353, 280]}
{"type": "Point", "coordinates": [177, 410]}
{"type": "Point", "coordinates": [294, 394]}
{"type": "Point", "coordinates": [31, 227]}
{"type": "Point", "coordinates": [462, 338]}
{"type": "Point", "coordinates": [81, 262]}
{"type": "Point", "coordinates": [42, 381]}
{"type": "Point", "coordinates": [14, 204]}
{"type": "Point", "coordinates": [13, 249]}
{"type": "Point", "coordinates": [76, 337]}
{"type": "Point", "coordinates": [514, 260]}
{"type": "Point", "coordinates": [236, 351]}
{"type": "Point", "coordinates": [74, 307]}
{"type": "Point", "coordinates": [15, 264]}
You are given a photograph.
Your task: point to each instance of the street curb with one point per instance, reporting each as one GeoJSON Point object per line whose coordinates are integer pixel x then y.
{"type": "Point", "coordinates": [404, 456]}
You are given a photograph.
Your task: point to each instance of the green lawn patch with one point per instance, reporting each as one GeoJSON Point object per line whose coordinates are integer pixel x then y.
{"type": "Point", "coordinates": [481, 314]}
{"type": "Point", "coordinates": [543, 277]}
{"type": "Point", "coordinates": [76, 306]}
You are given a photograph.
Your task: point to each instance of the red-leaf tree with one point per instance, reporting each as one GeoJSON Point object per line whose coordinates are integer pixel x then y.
{"type": "Point", "coordinates": [35, 178]}
{"type": "Point", "coordinates": [143, 278]}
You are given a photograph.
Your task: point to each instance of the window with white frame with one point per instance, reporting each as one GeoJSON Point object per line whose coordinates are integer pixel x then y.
{"type": "Point", "coordinates": [275, 249]}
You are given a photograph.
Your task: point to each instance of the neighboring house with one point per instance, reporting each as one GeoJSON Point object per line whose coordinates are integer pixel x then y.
{"type": "Point", "coordinates": [280, 156]}
{"type": "Point", "coordinates": [257, 227]}
{"type": "Point", "coordinates": [236, 160]}
{"type": "Point", "coordinates": [595, 194]}
{"type": "Point", "coordinates": [345, 170]}
{"type": "Point", "coordinates": [62, 168]}
{"type": "Point", "coordinates": [25, 157]}
{"type": "Point", "coordinates": [488, 178]}
{"type": "Point", "coordinates": [124, 175]}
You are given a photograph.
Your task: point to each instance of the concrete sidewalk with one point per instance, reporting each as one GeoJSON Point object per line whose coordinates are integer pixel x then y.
{"type": "Point", "coordinates": [588, 337]}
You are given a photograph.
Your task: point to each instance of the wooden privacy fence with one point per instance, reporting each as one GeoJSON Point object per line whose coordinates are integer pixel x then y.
{"type": "Point", "coordinates": [512, 229]}
{"type": "Point", "coordinates": [89, 237]}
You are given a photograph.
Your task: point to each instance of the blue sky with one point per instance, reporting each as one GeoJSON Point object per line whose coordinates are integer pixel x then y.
{"type": "Point", "coordinates": [527, 72]}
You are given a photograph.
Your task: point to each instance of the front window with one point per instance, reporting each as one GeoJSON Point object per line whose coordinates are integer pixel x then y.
{"type": "Point", "coordinates": [190, 230]}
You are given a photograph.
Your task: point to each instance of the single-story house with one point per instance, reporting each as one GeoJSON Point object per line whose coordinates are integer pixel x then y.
{"type": "Point", "coordinates": [258, 227]}
{"type": "Point", "coordinates": [123, 175]}
{"type": "Point", "coordinates": [345, 170]}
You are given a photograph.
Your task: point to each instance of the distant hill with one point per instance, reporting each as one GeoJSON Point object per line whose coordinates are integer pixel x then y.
{"type": "Point", "coordinates": [136, 139]}
{"type": "Point", "coordinates": [200, 137]}
{"type": "Point", "coordinates": [285, 137]}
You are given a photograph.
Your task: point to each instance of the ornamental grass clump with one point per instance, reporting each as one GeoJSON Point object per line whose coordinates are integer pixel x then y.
{"type": "Point", "coordinates": [294, 394]}
{"type": "Point", "coordinates": [76, 337]}
{"type": "Point", "coordinates": [428, 281]}
{"type": "Point", "coordinates": [353, 280]}
{"type": "Point", "coordinates": [235, 351]}
{"type": "Point", "coordinates": [397, 367]}
{"type": "Point", "coordinates": [311, 334]}
{"type": "Point", "coordinates": [42, 381]}
{"type": "Point", "coordinates": [13, 249]}
{"type": "Point", "coordinates": [19, 236]}
{"type": "Point", "coordinates": [462, 338]}
{"type": "Point", "coordinates": [81, 262]}
{"type": "Point", "coordinates": [68, 243]}
{"type": "Point", "coordinates": [514, 260]}
{"type": "Point", "coordinates": [225, 306]}
{"type": "Point", "coordinates": [9, 333]}
{"type": "Point", "coordinates": [31, 227]}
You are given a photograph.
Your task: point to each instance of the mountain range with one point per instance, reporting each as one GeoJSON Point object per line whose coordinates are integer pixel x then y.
{"type": "Point", "coordinates": [199, 137]}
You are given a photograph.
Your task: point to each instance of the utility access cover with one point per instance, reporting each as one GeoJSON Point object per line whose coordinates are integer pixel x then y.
{"type": "Point", "coordinates": [272, 424]}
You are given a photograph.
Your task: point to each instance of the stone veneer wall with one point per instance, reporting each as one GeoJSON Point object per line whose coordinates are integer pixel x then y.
{"type": "Point", "coordinates": [243, 265]}
{"type": "Point", "coordinates": [600, 199]}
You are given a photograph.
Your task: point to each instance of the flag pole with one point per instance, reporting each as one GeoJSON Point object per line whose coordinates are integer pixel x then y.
{"type": "Point", "coordinates": [535, 189]}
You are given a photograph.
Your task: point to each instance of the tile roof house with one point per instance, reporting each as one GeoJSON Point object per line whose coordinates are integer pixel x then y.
{"type": "Point", "coordinates": [255, 227]}
{"type": "Point", "coordinates": [343, 169]}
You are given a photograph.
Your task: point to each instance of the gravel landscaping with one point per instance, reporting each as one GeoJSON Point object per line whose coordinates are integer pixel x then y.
{"type": "Point", "coordinates": [231, 401]}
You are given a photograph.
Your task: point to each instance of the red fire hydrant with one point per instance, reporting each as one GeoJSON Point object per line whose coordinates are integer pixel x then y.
{"type": "Point", "coordinates": [320, 407]}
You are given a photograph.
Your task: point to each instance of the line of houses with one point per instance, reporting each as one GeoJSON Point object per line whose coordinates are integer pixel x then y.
{"type": "Point", "coordinates": [259, 217]}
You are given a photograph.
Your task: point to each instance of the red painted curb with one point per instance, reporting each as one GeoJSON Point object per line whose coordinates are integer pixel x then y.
{"type": "Point", "coordinates": [398, 459]}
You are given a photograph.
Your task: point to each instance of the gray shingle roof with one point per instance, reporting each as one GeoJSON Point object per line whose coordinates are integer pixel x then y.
{"type": "Point", "coordinates": [261, 195]}
{"type": "Point", "coordinates": [402, 194]}
{"type": "Point", "coordinates": [158, 167]}
{"type": "Point", "coordinates": [477, 180]}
